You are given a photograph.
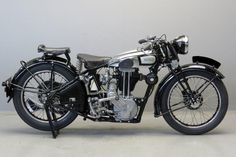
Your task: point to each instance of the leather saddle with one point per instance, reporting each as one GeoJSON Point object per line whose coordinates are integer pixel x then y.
{"type": "Point", "coordinates": [53, 51]}
{"type": "Point", "coordinates": [91, 61]}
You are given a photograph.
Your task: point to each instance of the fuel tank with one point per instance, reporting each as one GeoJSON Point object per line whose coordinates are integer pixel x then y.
{"type": "Point", "coordinates": [139, 58]}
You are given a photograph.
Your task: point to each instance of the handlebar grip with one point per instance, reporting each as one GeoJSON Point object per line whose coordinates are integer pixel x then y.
{"type": "Point", "coordinates": [141, 41]}
{"type": "Point", "coordinates": [152, 38]}
{"type": "Point", "coordinates": [146, 40]}
{"type": "Point", "coordinates": [41, 48]}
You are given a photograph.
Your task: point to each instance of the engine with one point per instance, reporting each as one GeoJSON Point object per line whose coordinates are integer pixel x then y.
{"type": "Point", "coordinates": [117, 100]}
{"type": "Point", "coordinates": [124, 108]}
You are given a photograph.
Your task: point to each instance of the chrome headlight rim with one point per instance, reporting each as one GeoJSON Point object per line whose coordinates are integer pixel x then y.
{"type": "Point", "coordinates": [181, 44]}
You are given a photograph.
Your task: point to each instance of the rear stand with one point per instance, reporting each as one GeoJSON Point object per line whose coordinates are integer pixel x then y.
{"type": "Point", "coordinates": [52, 120]}
{"type": "Point", "coordinates": [51, 117]}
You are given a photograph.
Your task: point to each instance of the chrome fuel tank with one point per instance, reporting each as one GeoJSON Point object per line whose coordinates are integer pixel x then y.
{"type": "Point", "coordinates": [140, 58]}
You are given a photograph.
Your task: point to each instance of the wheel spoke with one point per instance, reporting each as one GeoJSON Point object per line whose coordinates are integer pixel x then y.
{"type": "Point", "coordinates": [181, 102]}
{"type": "Point", "coordinates": [35, 93]}
{"type": "Point", "coordinates": [194, 113]}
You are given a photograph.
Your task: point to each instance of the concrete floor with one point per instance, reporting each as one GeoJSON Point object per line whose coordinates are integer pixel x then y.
{"type": "Point", "coordinates": [152, 137]}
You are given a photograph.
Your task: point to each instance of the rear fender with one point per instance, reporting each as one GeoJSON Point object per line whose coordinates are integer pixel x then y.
{"type": "Point", "coordinates": [208, 65]}
{"type": "Point", "coordinates": [40, 60]}
{"type": "Point", "coordinates": [30, 64]}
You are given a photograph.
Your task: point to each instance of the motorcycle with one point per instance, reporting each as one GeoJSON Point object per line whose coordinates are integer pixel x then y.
{"type": "Point", "coordinates": [49, 92]}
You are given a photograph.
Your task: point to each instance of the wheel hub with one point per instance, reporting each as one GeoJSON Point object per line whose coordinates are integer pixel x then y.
{"type": "Point", "coordinates": [42, 98]}
{"type": "Point", "coordinates": [193, 102]}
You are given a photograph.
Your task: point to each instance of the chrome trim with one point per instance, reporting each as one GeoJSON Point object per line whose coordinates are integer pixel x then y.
{"type": "Point", "coordinates": [94, 113]}
{"type": "Point", "coordinates": [106, 99]}
{"type": "Point", "coordinates": [180, 40]}
{"type": "Point", "coordinates": [195, 66]}
{"type": "Point", "coordinates": [134, 55]}
{"type": "Point", "coordinates": [174, 64]}
{"type": "Point", "coordinates": [147, 59]}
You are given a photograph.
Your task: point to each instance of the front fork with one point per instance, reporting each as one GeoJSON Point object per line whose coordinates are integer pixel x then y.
{"type": "Point", "coordinates": [186, 89]}
{"type": "Point", "coordinates": [193, 95]}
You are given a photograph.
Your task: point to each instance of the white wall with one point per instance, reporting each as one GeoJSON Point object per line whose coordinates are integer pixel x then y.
{"type": "Point", "coordinates": [107, 27]}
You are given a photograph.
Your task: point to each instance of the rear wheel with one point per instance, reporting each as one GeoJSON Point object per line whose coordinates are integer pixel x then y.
{"type": "Point", "coordinates": [197, 113]}
{"type": "Point", "coordinates": [29, 103]}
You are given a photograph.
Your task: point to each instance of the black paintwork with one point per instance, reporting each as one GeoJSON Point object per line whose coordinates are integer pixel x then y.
{"type": "Point", "coordinates": [206, 60]}
{"type": "Point", "coordinates": [126, 64]}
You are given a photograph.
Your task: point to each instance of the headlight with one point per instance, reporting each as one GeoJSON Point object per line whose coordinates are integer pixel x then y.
{"type": "Point", "coordinates": [181, 44]}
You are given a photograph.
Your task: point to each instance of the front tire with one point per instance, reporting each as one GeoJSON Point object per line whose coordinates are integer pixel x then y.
{"type": "Point", "coordinates": [198, 116]}
{"type": "Point", "coordinates": [29, 106]}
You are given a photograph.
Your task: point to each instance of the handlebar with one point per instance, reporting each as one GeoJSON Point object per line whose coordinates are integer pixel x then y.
{"type": "Point", "coordinates": [141, 41]}
{"type": "Point", "coordinates": [162, 47]}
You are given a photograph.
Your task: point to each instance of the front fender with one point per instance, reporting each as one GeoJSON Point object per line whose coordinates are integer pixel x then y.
{"type": "Point", "coordinates": [196, 65]}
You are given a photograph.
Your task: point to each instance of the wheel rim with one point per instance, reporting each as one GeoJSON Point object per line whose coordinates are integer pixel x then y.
{"type": "Point", "coordinates": [205, 107]}
{"type": "Point", "coordinates": [33, 103]}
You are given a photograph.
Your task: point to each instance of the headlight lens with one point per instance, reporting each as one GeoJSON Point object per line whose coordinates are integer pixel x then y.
{"type": "Point", "coordinates": [181, 44]}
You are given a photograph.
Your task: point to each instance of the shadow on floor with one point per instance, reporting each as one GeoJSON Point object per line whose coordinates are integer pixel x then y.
{"type": "Point", "coordinates": [106, 131]}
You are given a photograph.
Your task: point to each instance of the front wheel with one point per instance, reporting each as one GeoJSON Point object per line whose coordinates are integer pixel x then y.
{"type": "Point", "coordinates": [198, 110]}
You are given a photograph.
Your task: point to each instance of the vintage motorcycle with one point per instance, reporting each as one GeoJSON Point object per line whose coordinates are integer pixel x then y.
{"type": "Point", "coordinates": [49, 92]}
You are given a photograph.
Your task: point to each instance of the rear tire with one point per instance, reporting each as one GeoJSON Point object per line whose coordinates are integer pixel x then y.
{"type": "Point", "coordinates": [27, 113]}
{"type": "Point", "coordinates": [192, 123]}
